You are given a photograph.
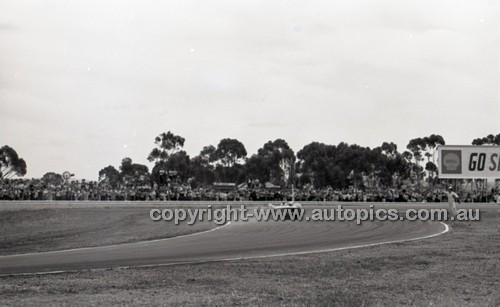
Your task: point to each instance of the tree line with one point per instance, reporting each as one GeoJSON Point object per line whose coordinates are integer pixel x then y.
{"type": "Point", "coordinates": [317, 164]}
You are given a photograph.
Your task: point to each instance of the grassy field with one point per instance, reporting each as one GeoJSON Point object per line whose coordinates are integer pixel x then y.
{"type": "Point", "coordinates": [460, 268]}
{"type": "Point", "coordinates": [24, 231]}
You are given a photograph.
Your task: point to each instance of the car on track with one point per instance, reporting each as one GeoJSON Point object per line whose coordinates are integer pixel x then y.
{"type": "Point", "coordinates": [291, 208]}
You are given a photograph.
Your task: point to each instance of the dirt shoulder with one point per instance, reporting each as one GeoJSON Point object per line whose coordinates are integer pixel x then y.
{"type": "Point", "coordinates": [459, 268]}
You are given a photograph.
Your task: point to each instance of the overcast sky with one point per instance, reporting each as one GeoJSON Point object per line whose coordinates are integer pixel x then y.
{"type": "Point", "coordinates": [84, 84]}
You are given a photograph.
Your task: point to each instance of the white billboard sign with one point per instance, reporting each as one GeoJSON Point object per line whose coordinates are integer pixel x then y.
{"type": "Point", "coordinates": [469, 161]}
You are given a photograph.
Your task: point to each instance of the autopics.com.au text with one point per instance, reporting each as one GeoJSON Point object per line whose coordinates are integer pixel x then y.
{"type": "Point", "coordinates": [223, 215]}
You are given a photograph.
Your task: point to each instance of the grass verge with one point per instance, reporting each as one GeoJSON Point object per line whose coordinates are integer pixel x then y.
{"type": "Point", "coordinates": [460, 268]}
{"type": "Point", "coordinates": [24, 231]}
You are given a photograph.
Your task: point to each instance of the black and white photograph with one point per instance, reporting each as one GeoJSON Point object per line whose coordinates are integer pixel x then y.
{"type": "Point", "coordinates": [249, 153]}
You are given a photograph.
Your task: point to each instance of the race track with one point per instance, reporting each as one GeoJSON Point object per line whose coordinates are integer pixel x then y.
{"type": "Point", "coordinates": [237, 240]}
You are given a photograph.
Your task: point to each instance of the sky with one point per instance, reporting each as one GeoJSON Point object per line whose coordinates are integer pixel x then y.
{"type": "Point", "coordinates": [84, 84]}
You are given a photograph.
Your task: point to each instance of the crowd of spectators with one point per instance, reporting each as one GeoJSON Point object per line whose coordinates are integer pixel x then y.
{"type": "Point", "coordinates": [37, 189]}
{"type": "Point", "coordinates": [412, 194]}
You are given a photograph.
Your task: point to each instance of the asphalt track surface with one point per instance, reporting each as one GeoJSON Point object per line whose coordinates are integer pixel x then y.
{"type": "Point", "coordinates": [233, 241]}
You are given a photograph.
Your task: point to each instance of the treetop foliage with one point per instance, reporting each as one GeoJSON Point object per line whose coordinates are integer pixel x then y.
{"type": "Point", "coordinates": [166, 145]}
{"type": "Point", "coordinates": [229, 151]}
{"type": "Point", "coordinates": [10, 163]}
{"type": "Point", "coordinates": [487, 140]}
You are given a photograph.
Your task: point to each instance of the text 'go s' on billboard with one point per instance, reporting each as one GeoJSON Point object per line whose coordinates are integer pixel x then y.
{"type": "Point", "coordinates": [469, 161]}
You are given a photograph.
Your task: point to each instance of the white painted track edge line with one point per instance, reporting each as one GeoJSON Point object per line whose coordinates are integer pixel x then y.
{"type": "Point", "coordinates": [121, 244]}
{"type": "Point", "coordinates": [446, 229]}
{"type": "Point", "coordinates": [145, 266]}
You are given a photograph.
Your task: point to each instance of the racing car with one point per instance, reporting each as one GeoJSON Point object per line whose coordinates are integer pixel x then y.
{"type": "Point", "coordinates": [290, 207]}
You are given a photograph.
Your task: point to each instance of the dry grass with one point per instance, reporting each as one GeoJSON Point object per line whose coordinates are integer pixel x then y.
{"type": "Point", "coordinates": [54, 229]}
{"type": "Point", "coordinates": [460, 268]}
